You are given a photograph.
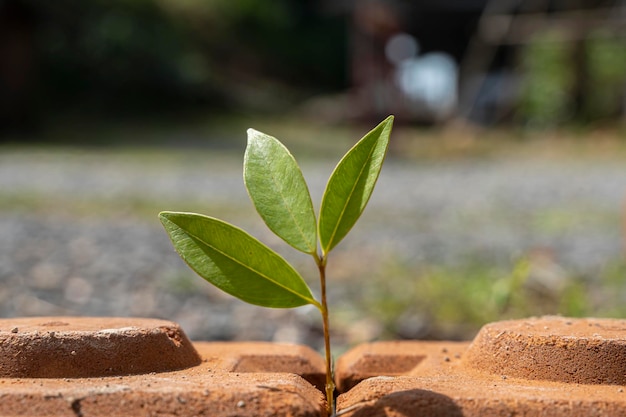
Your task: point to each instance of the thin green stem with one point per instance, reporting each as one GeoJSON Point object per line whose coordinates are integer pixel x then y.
{"type": "Point", "coordinates": [330, 383]}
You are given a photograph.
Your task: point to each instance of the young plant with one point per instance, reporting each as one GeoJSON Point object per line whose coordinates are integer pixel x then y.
{"type": "Point", "coordinates": [242, 266]}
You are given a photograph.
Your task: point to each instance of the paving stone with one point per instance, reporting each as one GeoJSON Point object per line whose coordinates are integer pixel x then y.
{"type": "Point", "coordinates": [583, 351]}
{"type": "Point", "coordinates": [195, 391]}
{"type": "Point", "coordinates": [394, 358]}
{"type": "Point", "coordinates": [148, 367]}
{"type": "Point", "coordinates": [74, 347]}
{"type": "Point", "coordinates": [526, 367]}
{"type": "Point", "coordinates": [246, 357]}
{"type": "Point", "coordinates": [549, 366]}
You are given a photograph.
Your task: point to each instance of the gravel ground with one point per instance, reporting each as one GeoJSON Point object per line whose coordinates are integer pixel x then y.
{"type": "Point", "coordinates": [80, 234]}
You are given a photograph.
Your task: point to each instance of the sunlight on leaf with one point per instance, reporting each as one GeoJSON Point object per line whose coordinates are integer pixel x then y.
{"type": "Point", "coordinates": [351, 184]}
{"type": "Point", "coordinates": [279, 192]}
{"type": "Point", "coordinates": [236, 262]}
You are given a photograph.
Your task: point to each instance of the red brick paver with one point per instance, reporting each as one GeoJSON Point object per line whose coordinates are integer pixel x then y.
{"type": "Point", "coordinates": [526, 367]}
{"type": "Point", "coordinates": [549, 366]}
{"type": "Point", "coordinates": [144, 367]}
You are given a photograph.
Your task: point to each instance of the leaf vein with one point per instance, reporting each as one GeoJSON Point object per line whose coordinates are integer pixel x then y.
{"type": "Point", "coordinates": [291, 214]}
{"type": "Point", "coordinates": [263, 275]}
{"type": "Point", "coordinates": [343, 210]}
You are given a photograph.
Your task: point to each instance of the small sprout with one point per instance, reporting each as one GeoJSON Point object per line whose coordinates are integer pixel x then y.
{"type": "Point", "coordinates": [239, 264]}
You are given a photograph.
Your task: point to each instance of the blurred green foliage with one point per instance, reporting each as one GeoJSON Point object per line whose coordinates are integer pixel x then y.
{"type": "Point", "coordinates": [545, 98]}
{"type": "Point", "coordinates": [454, 302]}
{"type": "Point", "coordinates": [124, 58]}
{"type": "Point", "coordinates": [123, 55]}
{"type": "Point", "coordinates": [607, 73]}
{"type": "Point", "coordinates": [558, 89]}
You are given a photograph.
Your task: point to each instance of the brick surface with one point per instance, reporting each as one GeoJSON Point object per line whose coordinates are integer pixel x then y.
{"type": "Point", "coordinates": [197, 391]}
{"type": "Point", "coordinates": [247, 357]}
{"type": "Point", "coordinates": [74, 347]}
{"type": "Point", "coordinates": [550, 366]}
{"type": "Point", "coordinates": [155, 371]}
{"type": "Point", "coordinates": [527, 368]}
{"type": "Point", "coordinates": [395, 358]}
{"type": "Point", "coordinates": [583, 351]}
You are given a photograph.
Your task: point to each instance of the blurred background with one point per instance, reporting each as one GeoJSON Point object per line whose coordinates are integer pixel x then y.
{"type": "Point", "coordinates": [503, 195]}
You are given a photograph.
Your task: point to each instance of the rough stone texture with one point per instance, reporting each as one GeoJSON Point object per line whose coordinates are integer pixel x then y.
{"type": "Point", "coordinates": [458, 394]}
{"type": "Point", "coordinates": [463, 379]}
{"type": "Point", "coordinates": [384, 359]}
{"type": "Point", "coordinates": [75, 347]}
{"type": "Point", "coordinates": [197, 391]}
{"type": "Point", "coordinates": [219, 379]}
{"type": "Point", "coordinates": [523, 367]}
{"type": "Point", "coordinates": [583, 351]}
{"type": "Point", "coordinates": [245, 357]}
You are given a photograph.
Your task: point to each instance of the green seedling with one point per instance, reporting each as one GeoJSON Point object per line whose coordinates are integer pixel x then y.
{"type": "Point", "coordinates": [242, 266]}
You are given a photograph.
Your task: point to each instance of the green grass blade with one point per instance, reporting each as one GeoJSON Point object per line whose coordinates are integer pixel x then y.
{"type": "Point", "coordinates": [279, 192]}
{"type": "Point", "coordinates": [236, 262]}
{"type": "Point", "coordinates": [351, 184]}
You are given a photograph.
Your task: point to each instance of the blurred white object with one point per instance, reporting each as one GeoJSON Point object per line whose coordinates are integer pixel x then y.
{"type": "Point", "coordinates": [430, 81]}
{"type": "Point", "coordinates": [401, 47]}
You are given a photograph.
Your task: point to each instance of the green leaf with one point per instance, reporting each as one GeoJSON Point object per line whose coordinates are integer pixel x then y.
{"type": "Point", "coordinates": [277, 188]}
{"type": "Point", "coordinates": [351, 184]}
{"type": "Point", "coordinates": [236, 262]}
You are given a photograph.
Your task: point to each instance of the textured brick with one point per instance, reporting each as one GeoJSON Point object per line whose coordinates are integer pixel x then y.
{"type": "Point", "coordinates": [525, 367]}
{"type": "Point", "coordinates": [74, 347]}
{"type": "Point", "coordinates": [133, 367]}
{"type": "Point", "coordinates": [548, 366]}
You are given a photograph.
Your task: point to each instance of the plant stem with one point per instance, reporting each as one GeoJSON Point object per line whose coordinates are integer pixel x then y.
{"type": "Point", "coordinates": [330, 383]}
